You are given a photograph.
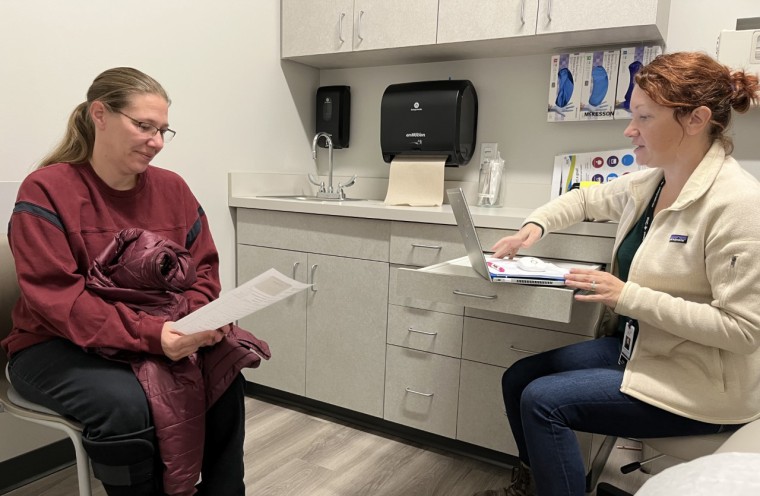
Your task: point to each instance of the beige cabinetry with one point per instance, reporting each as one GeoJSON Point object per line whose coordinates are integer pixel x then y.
{"type": "Point", "coordinates": [394, 23]}
{"type": "Point", "coordinates": [376, 332]}
{"type": "Point", "coordinates": [422, 390]}
{"type": "Point", "coordinates": [343, 33]}
{"type": "Point", "coordinates": [436, 326]}
{"type": "Point", "coordinates": [314, 27]}
{"type": "Point", "coordinates": [328, 342]}
{"type": "Point", "coordinates": [311, 27]}
{"type": "Point", "coordinates": [562, 16]}
{"type": "Point", "coordinates": [283, 325]}
{"type": "Point", "coordinates": [464, 20]}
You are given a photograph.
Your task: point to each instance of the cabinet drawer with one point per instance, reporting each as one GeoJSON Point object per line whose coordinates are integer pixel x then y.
{"type": "Point", "coordinates": [502, 344]}
{"type": "Point", "coordinates": [421, 245]}
{"type": "Point", "coordinates": [421, 390]}
{"type": "Point", "coordinates": [460, 285]}
{"type": "Point", "coordinates": [586, 319]}
{"type": "Point", "coordinates": [368, 239]}
{"type": "Point", "coordinates": [423, 330]}
{"type": "Point", "coordinates": [412, 301]}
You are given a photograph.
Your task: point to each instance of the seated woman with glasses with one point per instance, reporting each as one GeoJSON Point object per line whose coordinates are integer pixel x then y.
{"type": "Point", "coordinates": [118, 368]}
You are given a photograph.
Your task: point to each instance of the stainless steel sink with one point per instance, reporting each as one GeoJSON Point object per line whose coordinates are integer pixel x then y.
{"type": "Point", "coordinates": [309, 198]}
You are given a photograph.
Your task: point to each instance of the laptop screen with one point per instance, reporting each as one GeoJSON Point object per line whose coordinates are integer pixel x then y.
{"type": "Point", "coordinates": [467, 229]}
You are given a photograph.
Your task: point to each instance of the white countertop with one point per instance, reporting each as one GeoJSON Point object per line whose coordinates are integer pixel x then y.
{"type": "Point", "coordinates": [241, 196]}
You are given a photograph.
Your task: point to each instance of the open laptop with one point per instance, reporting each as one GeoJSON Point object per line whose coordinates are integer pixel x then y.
{"type": "Point", "coordinates": [503, 270]}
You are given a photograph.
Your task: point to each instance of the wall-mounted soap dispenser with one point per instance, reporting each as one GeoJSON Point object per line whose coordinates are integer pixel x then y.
{"type": "Point", "coordinates": [333, 114]}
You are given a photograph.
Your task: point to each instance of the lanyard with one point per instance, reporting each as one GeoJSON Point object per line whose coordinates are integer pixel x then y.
{"type": "Point", "coordinates": [650, 210]}
{"type": "Point", "coordinates": [632, 325]}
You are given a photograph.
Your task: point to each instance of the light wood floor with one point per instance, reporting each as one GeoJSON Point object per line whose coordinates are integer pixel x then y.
{"type": "Point", "coordinates": [290, 452]}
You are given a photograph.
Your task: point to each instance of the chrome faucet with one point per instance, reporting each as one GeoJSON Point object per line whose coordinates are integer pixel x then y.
{"type": "Point", "coordinates": [328, 193]}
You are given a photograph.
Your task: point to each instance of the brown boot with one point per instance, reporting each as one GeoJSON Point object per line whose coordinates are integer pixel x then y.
{"type": "Point", "coordinates": [522, 484]}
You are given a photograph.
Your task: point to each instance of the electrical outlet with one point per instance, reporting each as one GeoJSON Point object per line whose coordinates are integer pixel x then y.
{"type": "Point", "coordinates": [488, 151]}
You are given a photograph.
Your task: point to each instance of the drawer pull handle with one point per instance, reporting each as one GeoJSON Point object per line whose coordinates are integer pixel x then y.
{"type": "Point", "coordinates": [432, 247]}
{"type": "Point", "coordinates": [427, 333]}
{"type": "Point", "coordinates": [313, 279]}
{"type": "Point", "coordinates": [522, 13]}
{"type": "Point", "coordinates": [485, 297]}
{"type": "Point", "coordinates": [340, 27]}
{"type": "Point", "coordinates": [359, 26]}
{"type": "Point", "coordinates": [427, 395]}
{"type": "Point", "coordinates": [295, 268]}
{"type": "Point", "coordinates": [520, 350]}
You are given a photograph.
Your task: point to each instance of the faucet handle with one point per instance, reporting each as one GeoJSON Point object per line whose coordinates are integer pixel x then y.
{"type": "Point", "coordinates": [349, 183]}
{"type": "Point", "coordinates": [316, 182]}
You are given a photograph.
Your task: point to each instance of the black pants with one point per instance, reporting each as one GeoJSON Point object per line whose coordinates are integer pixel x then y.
{"type": "Point", "coordinates": [107, 399]}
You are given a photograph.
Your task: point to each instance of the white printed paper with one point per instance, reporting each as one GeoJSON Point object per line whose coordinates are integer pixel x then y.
{"type": "Point", "coordinates": [260, 292]}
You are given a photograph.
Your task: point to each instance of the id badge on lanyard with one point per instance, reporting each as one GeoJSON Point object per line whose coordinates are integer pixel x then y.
{"type": "Point", "coordinates": [629, 340]}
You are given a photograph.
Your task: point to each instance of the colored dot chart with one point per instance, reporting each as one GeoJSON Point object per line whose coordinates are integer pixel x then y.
{"type": "Point", "coordinates": [580, 170]}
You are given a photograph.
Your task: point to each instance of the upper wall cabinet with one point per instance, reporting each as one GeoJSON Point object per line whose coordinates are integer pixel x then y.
{"type": "Point", "coordinates": [311, 27]}
{"type": "Point", "coordinates": [394, 23]}
{"type": "Point", "coordinates": [352, 33]}
{"type": "Point", "coordinates": [315, 27]}
{"type": "Point", "coordinates": [567, 16]}
{"type": "Point", "coordinates": [465, 20]}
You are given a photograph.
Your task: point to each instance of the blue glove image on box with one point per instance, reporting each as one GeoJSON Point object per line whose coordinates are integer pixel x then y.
{"type": "Point", "coordinates": [565, 87]}
{"type": "Point", "coordinates": [633, 68]}
{"type": "Point", "coordinates": [599, 83]}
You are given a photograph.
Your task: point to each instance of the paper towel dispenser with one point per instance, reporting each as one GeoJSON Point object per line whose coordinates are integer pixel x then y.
{"type": "Point", "coordinates": [429, 118]}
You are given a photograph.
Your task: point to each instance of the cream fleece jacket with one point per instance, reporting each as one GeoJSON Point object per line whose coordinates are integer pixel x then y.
{"type": "Point", "coordinates": [694, 286]}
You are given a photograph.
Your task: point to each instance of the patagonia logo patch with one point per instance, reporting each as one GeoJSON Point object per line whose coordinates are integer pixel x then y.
{"type": "Point", "coordinates": [679, 238]}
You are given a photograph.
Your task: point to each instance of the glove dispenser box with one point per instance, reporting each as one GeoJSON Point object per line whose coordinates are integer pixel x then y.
{"type": "Point", "coordinates": [429, 118]}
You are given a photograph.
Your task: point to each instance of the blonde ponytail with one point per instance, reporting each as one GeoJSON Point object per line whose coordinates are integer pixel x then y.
{"type": "Point", "coordinates": [75, 147]}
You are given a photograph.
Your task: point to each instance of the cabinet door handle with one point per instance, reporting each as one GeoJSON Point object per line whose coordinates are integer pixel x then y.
{"type": "Point", "coordinates": [427, 333]}
{"type": "Point", "coordinates": [549, 10]}
{"type": "Point", "coordinates": [427, 395]}
{"type": "Point", "coordinates": [313, 279]}
{"type": "Point", "coordinates": [485, 297]}
{"type": "Point", "coordinates": [432, 247]}
{"type": "Point", "coordinates": [359, 26]}
{"type": "Point", "coordinates": [295, 268]}
{"type": "Point", "coordinates": [522, 12]}
{"type": "Point", "coordinates": [520, 350]}
{"type": "Point", "coordinates": [340, 26]}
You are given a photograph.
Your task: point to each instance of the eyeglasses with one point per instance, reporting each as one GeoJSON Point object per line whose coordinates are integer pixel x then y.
{"type": "Point", "coordinates": [149, 130]}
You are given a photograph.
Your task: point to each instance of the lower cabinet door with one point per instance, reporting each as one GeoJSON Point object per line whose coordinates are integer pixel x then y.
{"type": "Point", "coordinates": [482, 419]}
{"type": "Point", "coordinates": [347, 319]}
{"type": "Point", "coordinates": [421, 390]}
{"type": "Point", "coordinates": [282, 325]}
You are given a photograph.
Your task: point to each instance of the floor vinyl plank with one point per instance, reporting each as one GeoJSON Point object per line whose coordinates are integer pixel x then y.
{"type": "Point", "coordinates": [295, 477]}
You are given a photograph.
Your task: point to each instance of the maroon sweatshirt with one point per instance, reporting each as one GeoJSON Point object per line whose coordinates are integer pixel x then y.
{"type": "Point", "coordinates": [64, 217]}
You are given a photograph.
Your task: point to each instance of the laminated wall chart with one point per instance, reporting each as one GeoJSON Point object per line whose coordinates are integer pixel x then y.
{"type": "Point", "coordinates": [580, 170]}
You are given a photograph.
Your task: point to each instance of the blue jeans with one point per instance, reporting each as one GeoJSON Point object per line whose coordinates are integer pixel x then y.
{"type": "Point", "coordinates": [577, 388]}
